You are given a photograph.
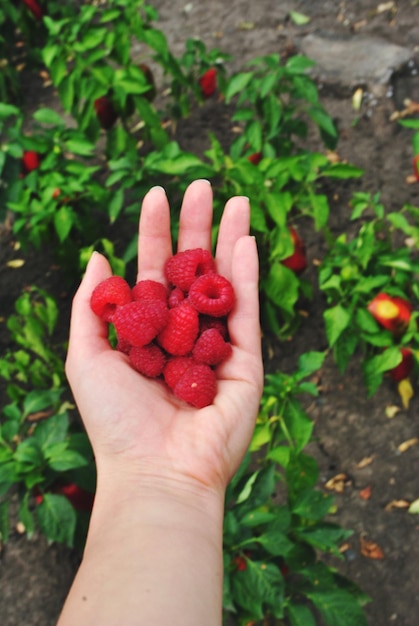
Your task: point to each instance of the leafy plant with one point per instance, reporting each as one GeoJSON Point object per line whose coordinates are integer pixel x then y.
{"type": "Point", "coordinates": [271, 548]}
{"type": "Point", "coordinates": [358, 268]}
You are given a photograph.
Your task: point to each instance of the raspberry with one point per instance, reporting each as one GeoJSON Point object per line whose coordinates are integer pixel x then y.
{"type": "Point", "coordinates": [149, 290]}
{"type": "Point", "coordinates": [212, 294]}
{"type": "Point", "coordinates": [148, 360]}
{"type": "Point", "coordinates": [176, 296]}
{"type": "Point", "coordinates": [179, 334]}
{"type": "Point", "coordinates": [206, 321]}
{"type": "Point", "coordinates": [174, 369]}
{"type": "Point", "coordinates": [183, 268]}
{"type": "Point", "coordinates": [108, 295]}
{"type": "Point", "coordinates": [197, 386]}
{"type": "Point", "coordinates": [140, 322]}
{"type": "Point", "coordinates": [210, 348]}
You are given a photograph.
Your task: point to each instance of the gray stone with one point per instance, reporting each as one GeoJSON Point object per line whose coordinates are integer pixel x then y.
{"type": "Point", "coordinates": [350, 61]}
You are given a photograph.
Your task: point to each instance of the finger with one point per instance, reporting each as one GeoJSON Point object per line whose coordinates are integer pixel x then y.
{"type": "Point", "coordinates": [154, 240]}
{"type": "Point", "coordinates": [195, 221]}
{"type": "Point", "coordinates": [235, 223]}
{"type": "Point", "coordinates": [88, 333]}
{"type": "Point", "coordinates": [243, 321]}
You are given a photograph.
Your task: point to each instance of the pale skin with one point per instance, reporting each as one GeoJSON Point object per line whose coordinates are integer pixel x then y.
{"type": "Point", "coordinates": [154, 548]}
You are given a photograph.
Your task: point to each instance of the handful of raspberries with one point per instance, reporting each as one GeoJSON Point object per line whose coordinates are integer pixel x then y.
{"type": "Point", "coordinates": [179, 332]}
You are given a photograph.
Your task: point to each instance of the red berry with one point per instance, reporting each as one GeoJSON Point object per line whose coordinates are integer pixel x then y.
{"type": "Point", "coordinates": [174, 369]}
{"type": "Point", "coordinates": [212, 294]}
{"type": "Point", "coordinates": [108, 295]}
{"type": "Point", "coordinates": [31, 160]}
{"type": "Point", "coordinates": [206, 321]}
{"type": "Point", "coordinates": [149, 290]}
{"type": "Point", "coordinates": [297, 261]}
{"type": "Point", "coordinates": [139, 323]}
{"type": "Point", "coordinates": [392, 312]}
{"type": "Point", "coordinates": [34, 8]}
{"type": "Point", "coordinates": [148, 360]}
{"type": "Point", "coordinates": [210, 348]}
{"type": "Point", "coordinates": [105, 112]}
{"type": "Point", "coordinates": [179, 335]}
{"type": "Point", "coordinates": [197, 386]}
{"type": "Point", "coordinates": [183, 268]}
{"type": "Point", "coordinates": [208, 82]}
{"type": "Point", "coordinates": [403, 369]}
{"type": "Point", "coordinates": [81, 499]}
{"type": "Point", "coordinates": [176, 297]}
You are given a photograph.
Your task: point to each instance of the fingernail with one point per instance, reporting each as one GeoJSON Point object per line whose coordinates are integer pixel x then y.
{"type": "Point", "coordinates": [204, 180]}
{"type": "Point", "coordinates": [158, 187]}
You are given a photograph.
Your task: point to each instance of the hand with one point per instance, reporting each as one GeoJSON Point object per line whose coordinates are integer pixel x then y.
{"type": "Point", "coordinates": [136, 425]}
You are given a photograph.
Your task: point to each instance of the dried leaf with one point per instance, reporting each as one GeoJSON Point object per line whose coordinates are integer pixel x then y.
{"type": "Point", "coordinates": [391, 411]}
{"type": "Point", "coordinates": [246, 26]}
{"type": "Point", "coordinates": [370, 549]}
{"type": "Point", "coordinates": [357, 99]}
{"type": "Point", "coordinates": [414, 507]}
{"type": "Point", "coordinates": [408, 444]}
{"type": "Point", "coordinates": [385, 6]}
{"type": "Point", "coordinates": [39, 415]}
{"type": "Point", "coordinates": [15, 263]}
{"type": "Point", "coordinates": [365, 494]}
{"type": "Point", "coordinates": [405, 390]}
{"type": "Point", "coordinates": [397, 504]}
{"type": "Point", "coordinates": [367, 460]}
{"type": "Point", "coordinates": [337, 483]}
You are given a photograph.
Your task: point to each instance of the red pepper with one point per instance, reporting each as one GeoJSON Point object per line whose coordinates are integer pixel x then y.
{"type": "Point", "coordinates": [208, 82]}
{"type": "Point", "coordinates": [81, 499]}
{"type": "Point", "coordinates": [297, 261]}
{"type": "Point", "coordinates": [392, 312]}
{"type": "Point", "coordinates": [105, 112]}
{"type": "Point", "coordinates": [403, 369]}
{"type": "Point", "coordinates": [34, 8]}
{"type": "Point", "coordinates": [31, 160]}
{"type": "Point", "coordinates": [255, 158]}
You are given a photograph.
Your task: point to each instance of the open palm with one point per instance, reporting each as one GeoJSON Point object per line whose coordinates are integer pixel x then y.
{"type": "Point", "coordinates": [136, 422]}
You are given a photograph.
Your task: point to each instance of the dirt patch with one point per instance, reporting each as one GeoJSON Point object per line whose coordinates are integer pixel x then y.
{"type": "Point", "coordinates": [34, 577]}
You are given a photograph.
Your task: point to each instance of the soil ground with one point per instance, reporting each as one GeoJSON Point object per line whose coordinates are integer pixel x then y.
{"type": "Point", "coordinates": [34, 576]}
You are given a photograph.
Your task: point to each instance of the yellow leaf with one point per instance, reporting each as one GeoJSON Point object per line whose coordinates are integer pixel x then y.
{"type": "Point", "coordinates": [391, 411]}
{"type": "Point", "coordinates": [15, 263]}
{"type": "Point", "coordinates": [414, 507]}
{"type": "Point", "coordinates": [357, 99]}
{"type": "Point", "coordinates": [405, 392]}
{"type": "Point", "coordinates": [408, 444]}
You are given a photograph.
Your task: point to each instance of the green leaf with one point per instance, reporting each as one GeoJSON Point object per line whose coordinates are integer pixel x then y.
{"type": "Point", "coordinates": [63, 222]}
{"type": "Point", "coordinates": [28, 452]}
{"type": "Point", "coordinates": [4, 520]}
{"type": "Point", "coordinates": [298, 424]}
{"type": "Point", "coordinates": [299, 64]}
{"type": "Point", "coordinates": [321, 210]}
{"type": "Point", "coordinates": [299, 18]}
{"type": "Point", "coordinates": [61, 459]}
{"type": "Point", "coordinates": [324, 536]}
{"type": "Point", "coordinates": [281, 286]}
{"type": "Point", "coordinates": [310, 362]}
{"type": "Point", "coordinates": [300, 615]}
{"type": "Point", "coordinates": [237, 83]}
{"type": "Point", "coordinates": [7, 110]}
{"type": "Point", "coordinates": [343, 171]}
{"type": "Point", "coordinates": [312, 504]}
{"type": "Point", "coordinates": [115, 204]}
{"type": "Point", "coordinates": [52, 430]}
{"type": "Point", "coordinates": [57, 518]}
{"type": "Point", "coordinates": [80, 146]}
{"type": "Point", "coordinates": [49, 117]}
{"type": "Point", "coordinates": [25, 516]}
{"type": "Point", "coordinates": [338, 608]}
{"type": "Point", "coordinates": [337, 319]}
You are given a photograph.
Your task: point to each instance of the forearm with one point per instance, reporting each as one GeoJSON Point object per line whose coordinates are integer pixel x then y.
{"type": "Point", "coordinates": [151, 557]}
